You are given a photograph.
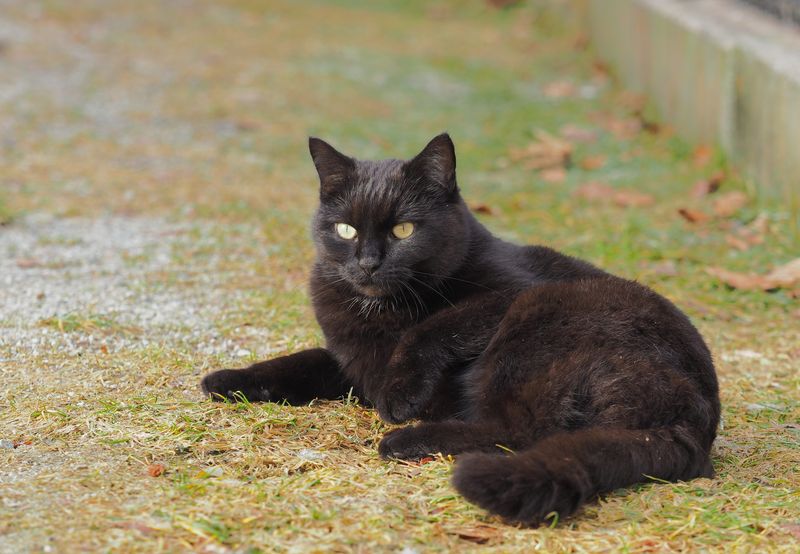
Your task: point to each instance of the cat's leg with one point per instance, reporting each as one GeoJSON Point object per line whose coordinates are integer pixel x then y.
{"type": "Point", "coordinates": [445, 437]}
{"type": "Point", "coordinates": [449, 338]}
{"type": "Point", "coordinates": [297, 379]}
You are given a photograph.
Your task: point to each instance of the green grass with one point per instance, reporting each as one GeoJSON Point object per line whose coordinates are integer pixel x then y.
{"type": "Point", "coordinates": [201, 118]}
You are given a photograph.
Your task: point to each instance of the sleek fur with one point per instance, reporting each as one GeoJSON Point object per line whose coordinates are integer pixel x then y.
{"type": "Point", "coordinates": [594, 382]}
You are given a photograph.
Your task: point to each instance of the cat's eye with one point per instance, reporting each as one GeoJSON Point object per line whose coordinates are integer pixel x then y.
{"type": "Point", "coordinates": [346, 231]}
{"type": "Point", "coordinates": [403, 230]}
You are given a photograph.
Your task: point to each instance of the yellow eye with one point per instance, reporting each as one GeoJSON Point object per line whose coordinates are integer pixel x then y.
{"type": "Point", "coordinates": [346, 231]}
{"type": "Point", "coordinates": [403, 230]}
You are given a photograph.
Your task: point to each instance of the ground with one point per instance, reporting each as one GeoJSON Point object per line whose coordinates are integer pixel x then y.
{"type": "Point", "coordinates": [155, 194]}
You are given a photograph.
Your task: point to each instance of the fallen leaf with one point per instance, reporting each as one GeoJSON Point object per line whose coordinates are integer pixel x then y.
{"type": "Point", "coordinates": [136, 526]}
{"type": "Point", "coordinates": [667, 268]}
{"type": "Point", "coordinates": [702, 155]}
{"type": "Point", "coordinates": [247, 125]}
{"type": "Point", "coordinates": [601, 69]}
{"type": "Point", "coordinates": [737, 243]}
{"type": "Point", "coordinates": [482, 209]}
{"type": "Point", "coordinates": [759, 226]}
{"type": "Point", "coordinates": [730, 203]}
{"type": "Point", "coordinates": [479, 534]}
{"type": "Point", "coordinates": [104, 349]}
{"type": "Point", "coordinates": [28, 263]}
{"type": "Point", "coordinates": [426, 460]}
{"type": "Point", "coordinates": [581, 41]}
{"type": "Point", "coordinates": [500, 4]}
{"type": "Point", "coordinates": [627, 128]}
{"type": "Point", "coordinates": [554, 175]}
{"type": "Point", "coordinates": [597, 191]}
{"type": "Point", "coordinates": [784, 276]}
{"type": "Point", "coordinates": [559, 89]}
{"type": "Point", "coordinates": [634, 101]}
{"type": "Point", "coordinates": [744, 281]}
{"type": "Point", "coordinates": [546, 152]}
{"type": "Point", "coordinates": [791, 528]}
{"type": "Point", "coordinates": [633, 199]}
{"type": "Point", "coordinates": [694, 216]}
{"type": "Point", "coordinates": [593, 162]}
{"type": "Point", "coordinates": [594, 190]}
{"type": "Point", "coordinates": [574, 133]}
{"type": "Point", "coordinates": [156, 470]}
{"type": "Point", "coordinates": [708, 186]}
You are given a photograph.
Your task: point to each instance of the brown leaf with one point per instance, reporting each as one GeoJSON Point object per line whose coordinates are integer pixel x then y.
{"type": "Point", "coordinates": [737, 243]}
{"type": "Point", "coordinates": [581, 41]}
{"type": "Point", "coordinates": [791, 528]}
{"type": "Point", "coordinates": [593, 162]}
{"type": "Point", "coordinates": [156, 470]}
{"type": "Point", "coordinates": [627, 128]}
{"type": "Point", "coordinates": [554, 175]}
{"type": "Point", "coordinates": [479, 534]}
{"type": "Point", "coordinates": [633, 199]}
{"type": "Point", "coordinates": [559, 89]}
{"type": "Point", "coordinates": [500, 4]}
{"type": "Point", "coordinates": [136, 526]}
{"type": "Point", "coordinates": [597, 191]}
{"type": "Point", "coordinates": [708, 186]}
{"type": "Point", "coordinates": [482, 209]}
{"type": "Point", "coordinates": [744, 281]}
{"type": "Point", "coordinates": [545, 152]}
{"type": "Point", "coordinates": [759, 226]}
{"type": "Point", "coordinates": [28, 263]}
{"type": "Point", "coordinates": [784, 276]}
{"type": "Point", "coordinates": [574, 133]}
{"type": "Point", "coordinates": [730, 203]}
{"type": "Point", "coordinates": [247, 125]}
{"type": "Point", "coordinates": [694, 216]}
{"type": "Point", "coordinates": [594, 190]}
{"type": "Point", "coordinates": [702, 155]}
{"type": "Point", "coordinates": [667, 268]}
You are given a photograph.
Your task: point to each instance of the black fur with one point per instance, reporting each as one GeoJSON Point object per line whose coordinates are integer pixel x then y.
{"type": "Point", "coordinates": [593, 381]}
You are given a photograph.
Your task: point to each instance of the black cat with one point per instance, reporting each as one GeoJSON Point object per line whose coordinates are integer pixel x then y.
{"type": "Point", "coordinates": [594, 382]}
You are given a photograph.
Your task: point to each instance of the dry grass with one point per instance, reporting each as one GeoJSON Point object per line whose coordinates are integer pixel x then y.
{"type": "Point", "coordinates": [167, 140]}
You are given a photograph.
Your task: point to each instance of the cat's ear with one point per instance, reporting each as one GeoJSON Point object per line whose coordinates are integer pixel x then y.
{"type": "Point", "coordinates": [436, 164]}
{"type": "Point", "coordinates": [332, 166]}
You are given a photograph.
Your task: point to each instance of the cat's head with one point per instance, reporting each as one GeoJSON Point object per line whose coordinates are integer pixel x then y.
{"type": "Point", "coordinates": [384, 226]}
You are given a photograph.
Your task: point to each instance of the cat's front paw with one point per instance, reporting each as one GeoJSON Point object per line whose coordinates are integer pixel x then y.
{"type": "Point", "coordinates": [233, 384]}
{"type": "Point", "coordinates": [404, 400]}
{"type": "Point", "coordinates": [405, 443]}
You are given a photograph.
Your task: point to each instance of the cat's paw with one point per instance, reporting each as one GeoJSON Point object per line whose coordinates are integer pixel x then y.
{"type": "Point", "coordinates": [233, 385]}
{"type": "Point", "coordinates": [404, 400]}
{"type": "Point", "coordinates": [405, 443]}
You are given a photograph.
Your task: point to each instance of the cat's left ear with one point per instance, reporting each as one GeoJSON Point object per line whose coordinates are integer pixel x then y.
{"type": "Point", "coordinates": [436, 164]}
{"type": "Point", "coordinates": [332, 166]}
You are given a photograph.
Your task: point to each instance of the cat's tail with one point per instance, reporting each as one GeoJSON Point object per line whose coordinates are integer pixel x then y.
{"type": "Point", "coordinates": [560, 472]}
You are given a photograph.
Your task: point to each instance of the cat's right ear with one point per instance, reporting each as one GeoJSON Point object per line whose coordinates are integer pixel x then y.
{"type": "Point", "coordinates": [332, 166]}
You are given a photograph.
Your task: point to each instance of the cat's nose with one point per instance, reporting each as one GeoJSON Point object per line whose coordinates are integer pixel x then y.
{"type": "Point", "coordinates": [369, 264]}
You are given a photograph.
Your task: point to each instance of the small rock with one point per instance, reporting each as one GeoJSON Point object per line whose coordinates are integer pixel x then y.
{"type": "Point", "coordinates": [6, 444]}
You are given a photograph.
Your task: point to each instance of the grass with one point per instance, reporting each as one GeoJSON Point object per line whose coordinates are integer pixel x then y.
{"type": "Point", "coordinates": [200, 119]}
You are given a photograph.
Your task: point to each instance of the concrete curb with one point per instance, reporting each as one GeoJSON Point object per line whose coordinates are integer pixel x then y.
{"type": "Point", "coordinates": [719, 72]}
